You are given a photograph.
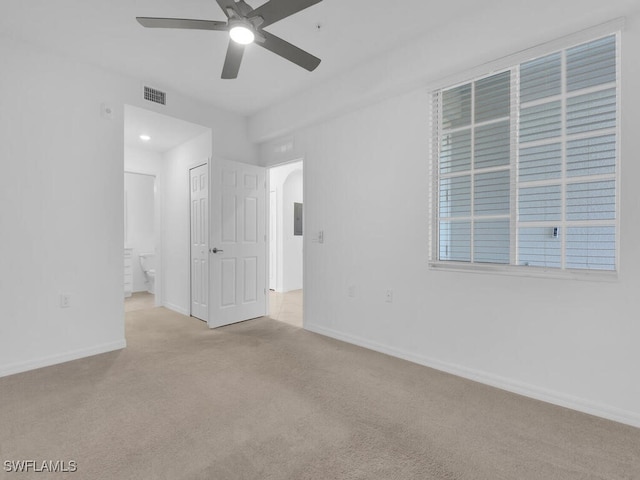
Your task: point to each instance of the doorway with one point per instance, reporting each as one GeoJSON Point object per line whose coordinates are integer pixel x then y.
{"type": "Point", "coordinates": [139, 240]}
{"type": "Point", "coordinates": [166, 148]}
{"type": "Point", "coordinates": [235, 212]}
{"type": "Point", "coordinates": [286, 231]}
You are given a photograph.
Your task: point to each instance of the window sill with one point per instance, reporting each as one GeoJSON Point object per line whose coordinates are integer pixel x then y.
{"type": "Point", "coordinates": [522, 271]}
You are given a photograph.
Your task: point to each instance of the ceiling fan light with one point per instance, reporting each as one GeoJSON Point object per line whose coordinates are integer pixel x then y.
{"type": "Point", "coordinates": [242, 35]}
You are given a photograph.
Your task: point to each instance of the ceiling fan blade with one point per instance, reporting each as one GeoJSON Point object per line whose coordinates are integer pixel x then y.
{"type": "Point", "coordinates": [243, 8]}
{"type": "Point", "coordinates": [150, 22]}
{"type": "Point", "coordinates": [290, 52]}
{"type": "Point", "coordinates": [232, 61]}
{"type": "Point", "coordinates": [276, 10]}
{"type": "Point", "coordinates": [225, 4]}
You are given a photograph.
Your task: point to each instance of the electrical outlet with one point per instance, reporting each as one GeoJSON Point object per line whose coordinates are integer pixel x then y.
{"type": "Point", "coordinates": [65, 300]}
{"type": "Point", "coordinates": [351, 291]}
{"type": "Point", "coordinates": [388, 296]}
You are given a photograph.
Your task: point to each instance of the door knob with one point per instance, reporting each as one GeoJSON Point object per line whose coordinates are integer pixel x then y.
{"type": "Point", "coordinates": [216, 250]}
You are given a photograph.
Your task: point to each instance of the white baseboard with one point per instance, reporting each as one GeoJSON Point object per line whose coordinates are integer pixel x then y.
{"type": "Point", "coordinates": [176, 308]}
{"type": "Point", "coordinates": [521, 388]}
{"type": "Point", "coordinates": [20, 367]}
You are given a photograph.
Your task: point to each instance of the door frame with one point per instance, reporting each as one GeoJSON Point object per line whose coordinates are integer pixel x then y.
{"type": "Point", "coordinates": [190, 167]}
{"type": "Point", "coordinates": [272, 217]}
{"type": "Point", "coordinates": [157, 227]}
{"type": "Point", "coordinates": [304, 228]}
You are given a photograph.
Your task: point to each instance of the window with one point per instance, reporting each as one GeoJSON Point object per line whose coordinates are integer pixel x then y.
{"type": "Point", "coordinates": [525, 164]}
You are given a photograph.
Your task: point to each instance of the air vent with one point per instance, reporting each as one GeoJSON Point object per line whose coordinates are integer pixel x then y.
{"type": "Point", "coordinates": [154, 95]}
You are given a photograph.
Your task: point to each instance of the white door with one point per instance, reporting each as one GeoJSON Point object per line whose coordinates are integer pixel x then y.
{"type": "Point", "coordinates": [199, 179]}
{"type": "Point", "coordinates": [273, 239]}
{"type": "Point", "coordinates": [238, 243]}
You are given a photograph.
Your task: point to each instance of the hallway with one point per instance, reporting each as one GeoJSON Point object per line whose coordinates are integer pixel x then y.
{"type": "Point", "coordinates": [286, 307]}
{"type": "Point", "coordinates": [139, 301]}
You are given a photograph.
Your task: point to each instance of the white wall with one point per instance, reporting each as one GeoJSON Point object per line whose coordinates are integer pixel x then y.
{"type": "Point", "coordinates": [291, 244]}
{"type": "Point", "coordinates": [366, 174]}
{"type": "Point", "coordinates": [140, 236]}
{"type": "Point", "coordinates": [61, 202]}
{"type": "Point", "coordinates": [286, 181]}
{"type": "Point", "coordinates": [176, 220]}
{"type": "Point", "coordinates": [499, 28]}
{"type": "Point", "coordinates": [139, 160]}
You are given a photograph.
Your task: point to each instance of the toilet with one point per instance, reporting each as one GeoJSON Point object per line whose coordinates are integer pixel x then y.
{"type": "Point", "coordinates": [148, 265]}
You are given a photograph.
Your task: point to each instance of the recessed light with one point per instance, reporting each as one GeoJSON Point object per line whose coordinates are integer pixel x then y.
{"type": "Point", "coordinates": [145, 138]}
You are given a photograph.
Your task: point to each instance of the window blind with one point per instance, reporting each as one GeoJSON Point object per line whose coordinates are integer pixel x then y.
{"type": "Point", "coordinates": [525, 163]}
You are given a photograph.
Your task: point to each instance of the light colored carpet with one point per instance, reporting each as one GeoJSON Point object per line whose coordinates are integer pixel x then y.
{"type": "Point", "coordinates": [265, 400]}
{"type": "Point", "coordinates": [286, 307]}
{"type": "Point", "coordinates": [139, 301]}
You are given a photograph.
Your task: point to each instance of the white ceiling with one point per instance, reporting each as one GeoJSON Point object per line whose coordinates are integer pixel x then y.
{"type": "Point", "coordinates": [165, 132]}
{"type": "Point", "coordinates": [105, 32]}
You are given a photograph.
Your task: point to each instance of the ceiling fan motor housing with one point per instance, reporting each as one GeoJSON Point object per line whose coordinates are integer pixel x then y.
{"type": "Point", "coordinates": [242, 31]}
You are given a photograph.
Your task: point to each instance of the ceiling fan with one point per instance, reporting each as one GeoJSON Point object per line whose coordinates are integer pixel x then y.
{"type": "Point", "coordinates": [246, 25]}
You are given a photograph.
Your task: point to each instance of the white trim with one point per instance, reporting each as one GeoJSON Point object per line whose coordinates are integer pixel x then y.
{"type": "Point", "coordinates": [474, 171]}
{"type": "Point", "coordinates": [568, 224]}
{"type": "Point", "coordinates": [514, 155]}
{"type": "Point", "coordinates": [501, 216]}
{"type": "Point", "coordinates": [618, 145]}
{"type": "Point", "coordinates": [434, 174]}
{"type": "Point", "coordinates": [526, 271]}
{"type": "Point", "coordinates": [176, 308]}
{"type": "Point", "coordinates": [563, 161]}
{"type": "Point", "coordinates": [472, 177]}
{"type": "Point", "coordinates": [210, 184]}
{"type": "Point", "coordinates": [147, 173]}
{"type": "Point", "coordinates": [565, 94]}
{"type": "Point", "coordinates": [474, 124]}
{"type": "Point", "coordinates": [570, 137]}
{"type": "Point", "coordinates": [521, 388]}
{"type": "Point", "coordinates": [20, 367]}
{"type": "Point", "coordinates": [603, 177]}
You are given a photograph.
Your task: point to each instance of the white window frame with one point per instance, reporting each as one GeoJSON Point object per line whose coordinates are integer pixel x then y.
{"type": "Point", "coordinates": [512, 62]}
